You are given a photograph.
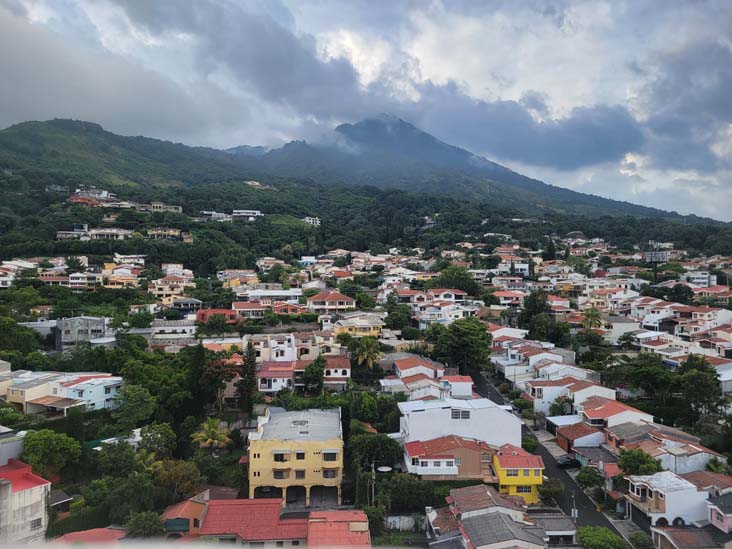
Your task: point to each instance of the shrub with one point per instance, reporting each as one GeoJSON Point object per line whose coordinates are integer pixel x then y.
{"type": "Point", "coordinates": [529, 444]}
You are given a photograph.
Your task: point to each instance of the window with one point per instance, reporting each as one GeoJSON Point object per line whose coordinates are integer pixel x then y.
{"type": "Point", "coordinates": [196, 523]}
{"type": "Point", "coordinates": [330, 456]}
{"type": "Point", "coordinates": [458, 461]}
{"type": "Point", "coordinates": [459, 414]}
{"type": "Point", "coordinates": [296, 542]}
{"type": "Point", "coordinates": [300, 474]}
{"type": "Point", "coordinates": [280, 475]}
{"type": "Point", "coordinates": [537, 472]}
{"type": "Point", "coordinates": [107, 390]}
{"type": "Point", "coordinates": [280, 457]}
{"type": "Point", "coordinates": [280, 543]}
{"type": "Point", "coordinates": [344, 373]}
{"type": "Point", "coordinates": [437, 464]}
{"type": "Point", "coordinates": [36, 524]}
{"type": "Point", "coordinates": [330, 473]}
{"type": "Point", "coordinates": [415, 461]}
{"type": "Point", "coordinates": [300, 455]}
{"type": "Point", "coordinates": [526, 472]}
{"type": "Point", "coordinates": [449, 464]}
{"type": "Point", "coordinates": [523, 489]}
{"type": "Point", "coordinates": [512, 472]}
{"type": "Point", "coordinates": [423, 464]}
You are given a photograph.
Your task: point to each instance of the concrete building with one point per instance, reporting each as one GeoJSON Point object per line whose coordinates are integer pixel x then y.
{"type": "Point", "coordinates": [23, 512]}
{"type": "Point", "coordinates": [75, 331]}
{"type": "Point", "coordinates": [450, 458]}
{"type": "Point", "coordinates": [479, 419]}
{"type": "Point", "coordinates": [298, 455]}
{"type": "Point", "coordinates": [664, 499]}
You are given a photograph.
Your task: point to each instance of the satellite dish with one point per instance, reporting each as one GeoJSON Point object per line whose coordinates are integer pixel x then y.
{"type": "Point", "coordinates": [383, 469]}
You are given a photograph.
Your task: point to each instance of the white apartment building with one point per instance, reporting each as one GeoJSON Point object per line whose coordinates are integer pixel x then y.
{"type": "Point", "coordinates": [23, 505]}
{"type": "Point", "coordinates": [479, 419]}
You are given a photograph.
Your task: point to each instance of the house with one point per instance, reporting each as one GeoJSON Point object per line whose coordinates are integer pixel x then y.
{"type": "Point", "coordinates": [479, 419]}
{"type": "Point", "coordinates": [298, 455]}
{"type": "Point", "coordinates": [519, 472]}
{"type": "Point", "coordinates": [170, 286]}
{"type": "Point", "coordinates": [71, 332]}
{"type": "Point", "coordinates": [450, 458]}
{"type": "Point", "coordinates": [330, 302]}
{"type": "Point", "coordinates": [360, 324]}
{"type": "Point", "coordinates": [720, 512]}
{"type": "Point", "coordinates": [544, 392]}
{"type": "Point", "coordinates": [603, 412]}
{"type": "Point", "coordinates": [51, 393]}
{"type": "Point", "coordinates": [23, 505]}
{"type": "Point", "coordinates": [407, 364]}
{"type": "Point", "coordinates": [171, 335]}
{"type": "Point", "coordinates": [714, 484]}
{"type": "Point", "coordinates": [499, 530]}
{"type": "Point", "coordinates": [664, 499]}
{"type": "Point", "coordinates": [93, 536]}
{"type": "Point", "coordinates": [261, 523]}
{"type": "Point", "coordinates": [230, 316]}
{"type": "Point", "coordinates": [275, 376]}
{"type": "Point", "coordinates": [579, 435]}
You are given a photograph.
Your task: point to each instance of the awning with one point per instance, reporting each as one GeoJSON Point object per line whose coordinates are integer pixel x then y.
{"type": "Point", "coordinates": [281, 452]}
{"type": "Point", "coordinates": [331, 451]}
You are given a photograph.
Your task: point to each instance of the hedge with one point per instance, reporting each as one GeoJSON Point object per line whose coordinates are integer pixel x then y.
{"type": "Point", "coordinates": [84, 519]}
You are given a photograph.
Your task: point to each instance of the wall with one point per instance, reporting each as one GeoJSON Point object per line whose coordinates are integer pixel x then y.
{"type": "Point", "coordinates": [406, 523]}
{"type": "Point", "coordinates": [18, 509]}
{"type": "Point", "coordinates": [492, 425]}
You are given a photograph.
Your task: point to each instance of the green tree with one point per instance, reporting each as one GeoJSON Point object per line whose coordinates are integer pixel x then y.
{"type": "Point", "coordinates": [464, 345]}
{"type": "Point", "coordinates": [48, 452]}
{"type": "Point", "coordinates": [216, 375]}
{"type": "Point", "coordinates": [74, 265]}
{"type": "Point", "coordinates": [367, 352]}
{"type": "Point", "coordinates": [14, 337]}
{"type": "Point", "coordinates": [551, 488]}
{"type": "Point", "coordinates": [365, 301]}
{"type": "Point", "coordinates": [178, 479]}
{"type": "Point", "coordinates": [159, 439]}
{"type": "Point", "coordinates": [146, 524]}
{"type": "Point", "coordinates": [400, 316]}
{"type": "Point", "coordinates": [592, 320]}
{"type": "Point", "coordinates": [681, 293]}
{"type": "Point", "coordinates": [534, 304]}
{"type": "Point", "coordinates": [314, 373]}
{"type": "Point", "coordinates": [637, 462]}
{"type": "Point", "coordinates": [640, 540]}
{"type": "Point", "coordinates": [454, 277]}
{"type": "Point", "coordinates": [530, 444]}
{"type": "Point", "coordinates": [132, 494]}
{"type": "Point", "coordinates": [117, 459]}
{"type": "Point", "coordinates": [590, 477]}
{"type": "Point", "coordinates": [559, 407]}
{"type": "Point", "coordinates": [134, 405]}
{"type": "Point", "coordinates": [378, 449]}
{"type": "Point", "coordinates": [598, 537]}
{"type": "Point", "coordinates": [211, 435]}
{"type": "Point", "coordinates": [247, 385]}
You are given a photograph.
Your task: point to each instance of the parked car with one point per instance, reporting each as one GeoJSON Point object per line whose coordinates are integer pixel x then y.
{"type": "Point", "coordinates": [567, 462]}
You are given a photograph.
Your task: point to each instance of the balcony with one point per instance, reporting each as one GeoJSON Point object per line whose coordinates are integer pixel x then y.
{"type": "Point", "coordinates": [432, 470]}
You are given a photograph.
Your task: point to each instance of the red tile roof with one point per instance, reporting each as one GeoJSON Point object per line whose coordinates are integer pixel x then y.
{"type": "Point", "coordinates": [330, 296]}
{"type": "Point", "coordinates": [251, 520]}
{"type": "Point", "coordinates": [597, 407]}
{"type": "Point", "coordinates": [442, 445]}
{"type": "Point", "coordinates": [95, 535]}
{"type": "Point", "coordinates": [509, 456]}
{"type": "Point", "coordinates": [414, 361]}
{"type": "Point", "coordinates": [338, 529]}
{"type": "Point", "coordinates": [578, 430]}
{"type": "Point", "coordinates": [21, 476]}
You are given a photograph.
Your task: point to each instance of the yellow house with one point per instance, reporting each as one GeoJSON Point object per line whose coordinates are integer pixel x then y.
{"type": "Point", "coordinates": [519, 472]}
{"type": "Point", "coordinates": [297, 456]}
{"type": "Point", "coordinates": [360, 325]}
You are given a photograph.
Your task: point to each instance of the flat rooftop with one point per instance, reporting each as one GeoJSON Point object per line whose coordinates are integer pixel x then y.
{"type": "Point", "coordinates": [305, 425]}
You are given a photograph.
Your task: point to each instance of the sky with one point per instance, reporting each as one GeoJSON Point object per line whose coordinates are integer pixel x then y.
{"type": "Point", "coordinates": [630, 100]}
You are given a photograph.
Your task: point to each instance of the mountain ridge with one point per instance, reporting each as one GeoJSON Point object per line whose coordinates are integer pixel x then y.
{"type": "Point", "coordinates": [385, 152]}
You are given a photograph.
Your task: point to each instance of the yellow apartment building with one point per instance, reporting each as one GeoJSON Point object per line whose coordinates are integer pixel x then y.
{"type": "Point", "coordinates": [297, 456]}
{"type": "Point", "coordinates": [519, 472]}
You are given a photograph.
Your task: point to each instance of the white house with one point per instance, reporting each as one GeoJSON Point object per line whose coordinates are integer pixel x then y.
{"type": "Point", "coordinates": [23, 505]}
{"type": "Point", "coordinates": [665, 499]}
{"type": "Point", "coordinates": [480, 419]}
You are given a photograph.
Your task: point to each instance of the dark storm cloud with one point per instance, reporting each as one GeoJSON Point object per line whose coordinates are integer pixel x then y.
{"type": "Point", "coordinates": [45, 76]}
{"type": "Point", "coordinates": [589, 135]}
{"type": "Point", "coordinates": [690, 105]}
{"type": "Point", "coordinates": [285, 67]}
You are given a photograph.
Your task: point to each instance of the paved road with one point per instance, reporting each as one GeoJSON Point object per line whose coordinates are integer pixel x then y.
{"type": "Point", "coordinates": [587, 515]}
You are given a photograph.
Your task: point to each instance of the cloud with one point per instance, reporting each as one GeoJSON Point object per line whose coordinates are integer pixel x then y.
{"type": "Point", "coordinates": [569, 89]}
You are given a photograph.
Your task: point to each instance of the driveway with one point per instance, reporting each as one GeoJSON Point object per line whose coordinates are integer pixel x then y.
{"type": "Point", "coordinates": [586, 513]}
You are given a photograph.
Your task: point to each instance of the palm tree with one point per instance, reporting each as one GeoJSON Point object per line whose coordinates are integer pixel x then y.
{"type": "Point", "coordinates": [593, 319]}
{"type": "Point", "coordinates": [367, 352]}
{"type": "Point", "coordinates": [211, 435]}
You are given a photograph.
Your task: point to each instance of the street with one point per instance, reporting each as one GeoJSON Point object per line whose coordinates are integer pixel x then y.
{"type": "Point", "coordinates": [587, 515]}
